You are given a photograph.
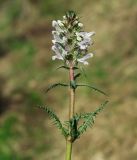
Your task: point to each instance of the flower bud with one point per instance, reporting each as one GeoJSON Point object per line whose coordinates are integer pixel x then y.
{"type": "Point", "coordinates": [80, 24]}
{"type": "Point", "coordinates": [60, 23]}
{"type": "Point", "coordinates": [54, 23]}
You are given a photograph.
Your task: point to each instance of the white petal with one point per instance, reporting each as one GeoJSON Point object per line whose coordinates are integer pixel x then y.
{"type": "Point", "coordinates": [86, 34]}
{"type": "Point", "coordinates": [89, 55]}
{"type": "Point", "coordinates": [56, 50]}
{"type": "Point", "coordinates": [85, 39]}
{"type": "Point", "coordinates": [91, 33]}
{"type": "Point", "coordinates": [53, 48]}
{"type": "Point", "coordinates": [54, 23]}
{"type": "Point", "coordinates": [53, 32]}
{"type": "Point", "coordinates": [83, 59]}
{"type": "Point", "coordinates": [64, 53]}
{"type": "Point", "coordinates": [85, 63]}
{"type": "Point", "coordinates": [56, 26]}
{"type": "Point", "coordinates": [57, 37]}
{"type": "Point", "coordinates": [59, 51]}
{"type": "Point", "coordinates": [53, 41]}
{"type": "Point", "coordinates": [56, 57]}
{"type": "Point", "coordinates": [83, 47]}
{"type": "Point", "coordinates": [60, 23]}
{"type": "Point", "coordinates": [83, 44]}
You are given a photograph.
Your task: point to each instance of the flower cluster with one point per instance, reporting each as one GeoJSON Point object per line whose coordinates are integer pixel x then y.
{"type": "Point", "coordinates": [70, 42]}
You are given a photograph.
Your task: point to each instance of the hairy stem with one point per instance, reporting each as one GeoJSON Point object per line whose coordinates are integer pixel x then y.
{"type": "Point", "coordinates": [71, 113]}
{"type": "Point", "coordinates": [72, 93]}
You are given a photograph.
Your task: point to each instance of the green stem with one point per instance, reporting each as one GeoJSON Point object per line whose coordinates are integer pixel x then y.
{"type": "Point", "coordinates": [68, 150]}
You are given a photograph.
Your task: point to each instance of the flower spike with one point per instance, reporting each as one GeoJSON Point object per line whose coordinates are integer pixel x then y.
{"type": "Point", "coordinates": [70, 42]}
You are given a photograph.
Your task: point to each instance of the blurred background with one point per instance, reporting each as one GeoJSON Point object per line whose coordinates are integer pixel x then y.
{"type": "Point", "coordinates": [26, 69]}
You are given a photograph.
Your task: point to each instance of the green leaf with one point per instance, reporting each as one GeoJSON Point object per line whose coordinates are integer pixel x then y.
{"type": "Point", "coordinates": [77, 75]}
{"type": "Point", "coordinates": [98, 110]}
{"type": "Point", "coordinates": [73, 129]}
{"type": "Point", "coordinates": [94, 88]}
{"type": "Point", "coordinates": [73, 84]}
{"type": "Point", "coordinates": [72, 124]}
{"type": "Point", "coordinates": [55, 120]}
{"type": "Point", "coordinates": [89, 118]}
{"type": "Point", "coordinates": [64, 67]}
{"type": "Point", "coordinates": [56, 85]}
{"type": "Point", "coordinates": [75, 68]}
{"type": "Point", "coordinates": [83, 72]}
{"type": "Point", "coordinates": [88, 122]}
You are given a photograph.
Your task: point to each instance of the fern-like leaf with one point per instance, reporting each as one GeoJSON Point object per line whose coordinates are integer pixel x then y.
{"type": "Point", "coordinates": [94, 88]}
{"type": "Point", "coordinates": [89, 118]}
{"type": "Point", "coordinates": [72, 124]}
{"type": "Point", "coordinates": [88, 122]}
{"type": "Point", "coordinates": [56, 85]}
{"type": "Point", "coordinates": [98, 110]}
{"type": "Point", "coordinates": [83, 72]}
{"type": "Point", "coordinates": [55, 120]}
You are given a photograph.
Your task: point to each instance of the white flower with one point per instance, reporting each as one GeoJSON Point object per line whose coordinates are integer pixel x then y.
{"type": "Point", "coordinates": [84, 44]}
{"type": "Point", "coordinates": [85, 40]}
{"type": "Point", "coordinates": [60, 23]}
{"type": "Point", "coordinates": [57, 38]}
{"type": "Point", "coordinates": [86, 34]}
{"type": "Point", "coordinates": [58, 55]}
{"type": "Point", "coordinates": [70, 43]}
{"type": "Point", "coordinates": [59, 51]}
{"type": "Point", "coordinates": [83, 59]}
{"type": "Point", "coordinates": [56, 25]}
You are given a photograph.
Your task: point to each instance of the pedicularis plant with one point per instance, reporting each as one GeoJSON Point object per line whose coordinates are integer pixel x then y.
{"type": "Point", "coordinates": [70, 44]}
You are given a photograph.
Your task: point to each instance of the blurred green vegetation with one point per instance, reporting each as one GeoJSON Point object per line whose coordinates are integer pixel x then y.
{"type": "Point", "coordinates": [7, 133]}
{"type": "Point", "coordinates": [26, 70]}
